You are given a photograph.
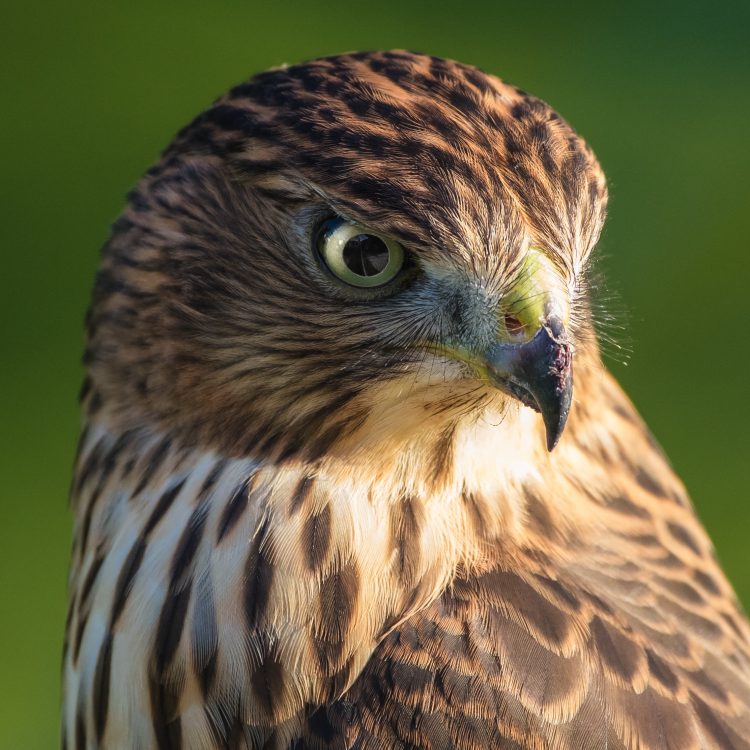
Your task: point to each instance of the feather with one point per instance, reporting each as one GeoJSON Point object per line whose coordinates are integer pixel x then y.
{"type": "Point", "coordinates": [305, 517]}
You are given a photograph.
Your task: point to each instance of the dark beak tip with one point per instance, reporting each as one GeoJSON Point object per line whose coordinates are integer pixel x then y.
{"type": "Point", "coordinates": [556, 416]}
{"type": "Point", "coordinates": [553, 437]}
{"type": "Point", "coordinates": [543, 368]}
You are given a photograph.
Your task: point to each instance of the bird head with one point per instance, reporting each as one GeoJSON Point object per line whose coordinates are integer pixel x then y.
{"type": "Point", "coordinates": [343, 246]}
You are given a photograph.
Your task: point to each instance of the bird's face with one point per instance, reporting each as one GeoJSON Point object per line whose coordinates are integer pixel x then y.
{"type": "Point", "coordinates": [471, 320]}
{"type": "Point", "coordinates": [346, 245]}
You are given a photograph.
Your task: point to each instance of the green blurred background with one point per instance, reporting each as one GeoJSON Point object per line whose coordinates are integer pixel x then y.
{"type": "Point", "coordinates": [92, 91]}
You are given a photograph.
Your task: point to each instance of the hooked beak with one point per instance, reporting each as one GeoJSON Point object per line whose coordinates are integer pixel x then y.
{"type": "Point", "coordinates": [539, 373]}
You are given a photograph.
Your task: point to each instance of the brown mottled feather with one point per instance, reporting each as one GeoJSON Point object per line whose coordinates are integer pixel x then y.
{"type": "Point", "coordinates": [296, 529]}
{"type": "Point", "coordinates": [569, 643]}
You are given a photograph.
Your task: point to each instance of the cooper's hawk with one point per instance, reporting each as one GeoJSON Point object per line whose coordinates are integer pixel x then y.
{"type": "Point", "coordinates": [315, 504]}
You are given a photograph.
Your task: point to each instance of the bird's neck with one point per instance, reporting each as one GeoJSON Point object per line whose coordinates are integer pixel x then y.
{"type": "Point", "coordinates": [326, 557]}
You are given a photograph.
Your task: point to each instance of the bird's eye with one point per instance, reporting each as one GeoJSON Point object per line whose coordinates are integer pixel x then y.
{"type": "Point", "coordinates": [356, 255]}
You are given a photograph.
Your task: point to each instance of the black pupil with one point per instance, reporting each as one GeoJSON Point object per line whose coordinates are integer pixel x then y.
{"type": "Point", "coordinates": [366, 255]}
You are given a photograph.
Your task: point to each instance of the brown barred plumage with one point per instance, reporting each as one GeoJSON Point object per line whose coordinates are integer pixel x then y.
{"type": "Point", "coordinates": [305, 516]}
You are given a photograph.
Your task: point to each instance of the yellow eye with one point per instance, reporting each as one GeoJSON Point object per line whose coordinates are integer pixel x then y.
{"type": "Point", "coordinates": [356, 255]}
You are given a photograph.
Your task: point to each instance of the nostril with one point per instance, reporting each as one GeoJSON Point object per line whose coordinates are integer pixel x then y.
{"type": "Point", "coordinates": [513, 325]}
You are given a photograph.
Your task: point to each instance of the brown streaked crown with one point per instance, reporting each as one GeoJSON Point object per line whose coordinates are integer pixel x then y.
{"type": "Point", "coordinates": [208, 302]}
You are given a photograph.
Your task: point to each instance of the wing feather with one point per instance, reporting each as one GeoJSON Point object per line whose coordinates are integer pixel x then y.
{"type": "Point", "coordinates": [632, 640]}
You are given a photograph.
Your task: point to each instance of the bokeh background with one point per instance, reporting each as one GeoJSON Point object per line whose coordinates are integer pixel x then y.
{"type": "Point", "coordinates": [92, 91]}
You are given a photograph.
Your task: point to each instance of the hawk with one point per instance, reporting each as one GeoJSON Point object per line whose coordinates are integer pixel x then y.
{"type": "Point", "coordinates": [352, 473]}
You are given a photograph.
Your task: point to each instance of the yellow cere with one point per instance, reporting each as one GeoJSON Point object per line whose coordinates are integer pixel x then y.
{"type": "Point", "coordinates": [537, 292]}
